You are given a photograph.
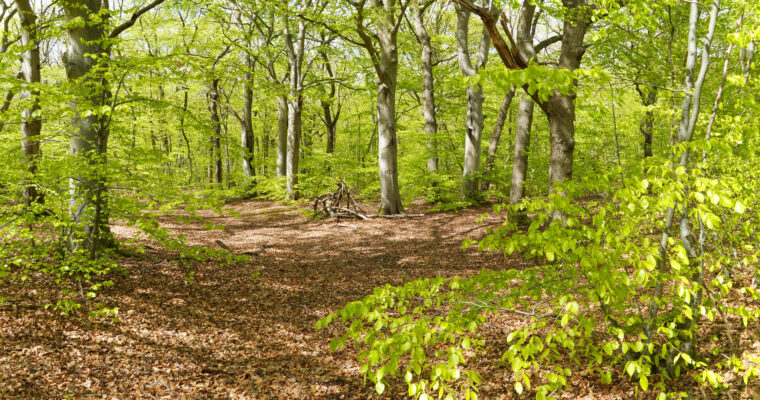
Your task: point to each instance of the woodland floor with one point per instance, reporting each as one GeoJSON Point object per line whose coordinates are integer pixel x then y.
{"type": "Point", "coordinates": [229, 335]}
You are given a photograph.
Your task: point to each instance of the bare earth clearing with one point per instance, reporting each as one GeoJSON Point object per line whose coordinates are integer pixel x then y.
{"type": "Point", "coordinates": [229, 335]}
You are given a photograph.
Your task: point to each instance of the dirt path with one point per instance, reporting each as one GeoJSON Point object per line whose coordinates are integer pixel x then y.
{"type": "Point", "coordinates": [232, 335]}
{"type": "Point", "coordinates": [229, 335]}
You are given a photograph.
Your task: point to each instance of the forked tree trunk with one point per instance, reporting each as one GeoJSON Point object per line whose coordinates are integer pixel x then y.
{"type": "Point", "coordinates": [330, 117]}
{"type": "Point", "coordinates": [31, 125]}
{"type": "Point", "coordinates": [475, 98]}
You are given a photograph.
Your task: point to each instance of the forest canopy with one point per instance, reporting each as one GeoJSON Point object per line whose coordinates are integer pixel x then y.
{"type": "Point", "coordinates": [617, 141]}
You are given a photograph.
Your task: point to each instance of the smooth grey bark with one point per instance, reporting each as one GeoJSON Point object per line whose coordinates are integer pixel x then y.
{"type": "Point", "coordinates": [216, 128]}
{"type": "Point", "coordinates": [264, 23]}
{"type": "Point", "coordinates": [295, 50]}
{"type": "Point", "coordinates": [493, 146]}
{"type": "Point", "coordinates": [428, 92]}
{"type": "Point", "coordinates": [89, 139]}
{"type": "Point", "coordinates": [246, 124]}
{"type": "Point", "coordinates": [648, 97]}
{"type": "Point", "coordinates": [387, 17]}
{"type": "Point", "coordinates": [31, 125]}
{"type": "Point", "coordinates": [522, 149]}
{"type": "Point", "coordinates": [282, 135]}
{"type": "Point", "coordinates": [560, 108]}
{"type": "Point", "coordinates": [689, 115]}
{"type": "Point", "coordinates": [525, 110]}
{"type": "Point", "coordinates": [475, 98]}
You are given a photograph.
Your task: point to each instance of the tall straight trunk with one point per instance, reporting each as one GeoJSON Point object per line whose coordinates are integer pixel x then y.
{"type": "Point", "coordinates": [525, 29]}
{"type": "Point", "coordinates": [560, 108]}
{"type": "Point", "coordinates": [295, 48]}
{"type": "Point", "coordinates": [646, 127]}
{"type": "Point", "coordinates": [216, 125]}
{"type": "Point", "coordinates": [295, 107]}
{"type": "Point", "coordinates": [428, 92]}
{"type": "Point", "coordinates": [184, 136]}
{"type": "Point", "coordinates": [282, 135]}
{"type": "Point", "coordinates": [522, 149]}
{"type": "Point", "coordinates": [382, 46]}
{"type": "Point", "coordinates": [89, 139]}
{"type": "Point", "coordinates": [31, 125]}
{"type": "Point", "coordinates": [498, 127]}
{"type": "Point", "coordinates": [475, 98]}
{"type": "Point", "coordinates": [390, 196]}
{"type": "Point", "coordinates": [246, 124]}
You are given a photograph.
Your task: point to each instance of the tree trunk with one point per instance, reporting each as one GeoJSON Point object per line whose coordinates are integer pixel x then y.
{"type": "Point", "coordinates": [560, 108]}
{"type": "Point", "coordinates": [246, 125]}
{"type": "Point", "coordinates": [213, 104]}
{"type": "Point", "coordinates": [295, 50]}
{"type": "Point", "coordinates": [473, 137]}
{"type": "Point", "coordinates": [493, 146]}
{"type": "Point", "coordinates": [522, 148]}
{"type": "Point", "coordinates": [329, 117]}
{"type": "Point", "coordinates": [390, 197]}
{"type": "Point", "coordinates": [331, 126]}
{"type": "Point", "coordinates": [475, 98]}
{"type": "Point", "coordinates": [294, 143]}
{"type": "Point", "coordinates": [646, 127]}
{"type": "Point", "coordinates": [184, 136]}
{"type": "Point", "coordinates": [428, 92]}
{"type": "Point", "coordinates": [31, 125]}
{"type": "Point", "coordinates": [282, 135]}
{"type": "Point", "coordinates": [89, 139]}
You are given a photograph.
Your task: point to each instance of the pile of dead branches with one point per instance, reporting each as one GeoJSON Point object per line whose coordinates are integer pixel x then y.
{"type": "Point", "coordinates": [339, 203]}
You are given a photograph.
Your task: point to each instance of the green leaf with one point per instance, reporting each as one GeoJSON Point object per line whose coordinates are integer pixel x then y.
{"type": "Point", "coordinates": [380, 387]}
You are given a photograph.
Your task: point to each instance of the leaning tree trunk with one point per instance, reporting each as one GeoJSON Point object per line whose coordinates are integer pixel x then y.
{"type": "Point", "coordinates": [282, 135]}
{"type": "Point", "coordinates": [493, 146]}
{"type": "Point", "coordinates": [31, 125]}
{"type": "Point", "coordinates": [428, 92]}
{"type": "Point", "coordinates": [213, 104]}
{"type": "Point", "coordinates": [89, 139]}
